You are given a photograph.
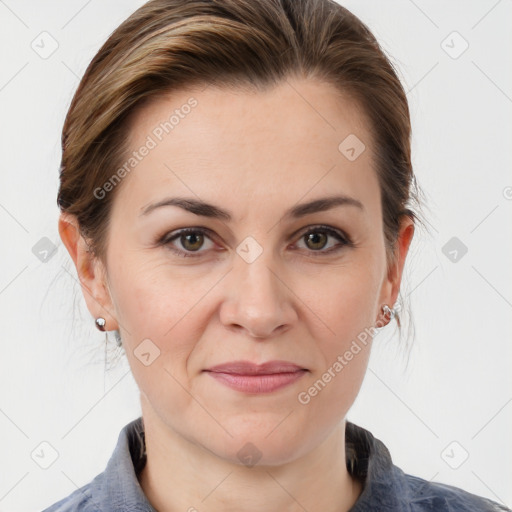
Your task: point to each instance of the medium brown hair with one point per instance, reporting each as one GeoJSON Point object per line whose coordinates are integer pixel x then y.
{"type": "Point", "coordinates": [171, 44]}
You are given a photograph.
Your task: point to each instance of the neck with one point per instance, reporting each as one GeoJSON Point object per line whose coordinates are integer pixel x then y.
{"type": "Point", "coordinates": [180, 475]}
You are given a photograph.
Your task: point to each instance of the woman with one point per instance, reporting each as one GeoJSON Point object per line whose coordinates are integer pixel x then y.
{"type": "Point", "coordinates": [237, 197]}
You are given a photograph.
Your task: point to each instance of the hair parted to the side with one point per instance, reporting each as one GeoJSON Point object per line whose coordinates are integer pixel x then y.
{"type": "Point", "coordinates": [253, 44]}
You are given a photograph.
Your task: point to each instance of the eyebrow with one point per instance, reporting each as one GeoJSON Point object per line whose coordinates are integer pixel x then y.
{"type": "Point", "coordinates": [204, 209]}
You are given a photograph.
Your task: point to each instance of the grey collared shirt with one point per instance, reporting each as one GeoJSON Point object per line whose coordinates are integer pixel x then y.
{"type": "Point", "coordinates": [386, 487]}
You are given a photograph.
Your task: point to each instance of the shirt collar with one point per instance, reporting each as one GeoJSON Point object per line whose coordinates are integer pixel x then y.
{"type": "Point", "coordinates": [368, 459]}
{"type": "Point", "coordinates": [117, 489]}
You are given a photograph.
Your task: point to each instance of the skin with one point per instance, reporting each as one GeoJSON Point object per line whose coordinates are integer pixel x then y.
{"type": "Point", "coordinates": [257, 155]}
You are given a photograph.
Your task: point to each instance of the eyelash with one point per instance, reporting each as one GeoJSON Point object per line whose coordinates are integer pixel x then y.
{"type": "Point", "coordinates": [344, 240]}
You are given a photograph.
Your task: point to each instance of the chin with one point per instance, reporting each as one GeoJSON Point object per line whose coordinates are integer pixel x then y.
{"type": "Point", "coordinates": [252, 447]}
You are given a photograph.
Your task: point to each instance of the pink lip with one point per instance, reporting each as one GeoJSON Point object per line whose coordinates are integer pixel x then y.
{"type": "Point", "coordinates": [252, 378]}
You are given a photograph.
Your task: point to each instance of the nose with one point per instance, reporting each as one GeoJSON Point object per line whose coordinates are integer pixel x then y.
{"type": "Point", "coordinates": [259, 302]}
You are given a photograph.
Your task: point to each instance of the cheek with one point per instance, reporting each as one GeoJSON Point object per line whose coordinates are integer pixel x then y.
{"type": "Point", "coordinates": [152, 302]}
{"type": "Point", "coordinates": [347, 306]}
{"type": "Point", "coordinates": [159, 325]}
{"type": "Point", "coordinates": [347, 298]}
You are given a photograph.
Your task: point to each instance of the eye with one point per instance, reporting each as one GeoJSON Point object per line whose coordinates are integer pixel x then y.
{"type": "Point", "coordinates": [316, 240]}
{"type": "Point", "coordinates": [190, 239]}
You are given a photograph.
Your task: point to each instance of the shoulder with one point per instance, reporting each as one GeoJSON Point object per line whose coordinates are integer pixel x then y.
{"type": "Point", "coordinates": [387, 488]}
{"type": "Point", "coordinates": [423, 495]}
{"type": "Point", "coordinates": [117, 487]}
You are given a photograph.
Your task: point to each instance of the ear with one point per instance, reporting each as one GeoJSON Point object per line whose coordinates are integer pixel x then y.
{"type": "Point", "coordinates": [393, 279]}
{"type": "Point", "coordinates": [91, 271]}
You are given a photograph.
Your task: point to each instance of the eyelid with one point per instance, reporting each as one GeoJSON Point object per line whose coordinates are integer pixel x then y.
{"type": "Point", "coordinates": [322, 227]}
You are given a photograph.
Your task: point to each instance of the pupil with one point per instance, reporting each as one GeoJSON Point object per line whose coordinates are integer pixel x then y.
{"type": "Point", "coordinates": [313, 237]}
{"type": "Point", "coordinates": [193, 236]}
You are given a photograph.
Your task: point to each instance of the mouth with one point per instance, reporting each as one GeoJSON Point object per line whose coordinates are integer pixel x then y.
{"type": "Point", "coordinates": [248, 377]}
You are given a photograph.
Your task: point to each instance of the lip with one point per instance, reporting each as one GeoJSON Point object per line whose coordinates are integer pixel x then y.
{"type": "Point", "coordinates": [249, 368]}
{"type": "Point", "coordinates": [248, 377]}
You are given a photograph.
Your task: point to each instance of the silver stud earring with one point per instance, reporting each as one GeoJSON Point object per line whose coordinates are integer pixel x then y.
{"type": "Point", "coordinates": [100, 324]}
{"type": "Point", "coordinates": [389, 312]}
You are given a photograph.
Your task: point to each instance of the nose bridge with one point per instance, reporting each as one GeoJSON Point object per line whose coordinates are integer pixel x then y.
{"type": "Point", "coordinates": [259, 301]}
{"type": "Point", "coordinates": [257, 281]}
{"type": "Point", "coordinates": [254, 268]}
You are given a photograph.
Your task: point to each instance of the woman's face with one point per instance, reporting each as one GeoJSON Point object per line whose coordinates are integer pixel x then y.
{"type": "Point", "coordinates": [249, 284]}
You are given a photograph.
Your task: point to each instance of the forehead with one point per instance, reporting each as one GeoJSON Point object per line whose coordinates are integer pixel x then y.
{"type": "Point", "coordinates": [295, 139]}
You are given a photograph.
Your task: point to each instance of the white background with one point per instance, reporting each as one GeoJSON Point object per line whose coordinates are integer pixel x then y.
{"type": "Point", "coordinates": [457, 384]}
